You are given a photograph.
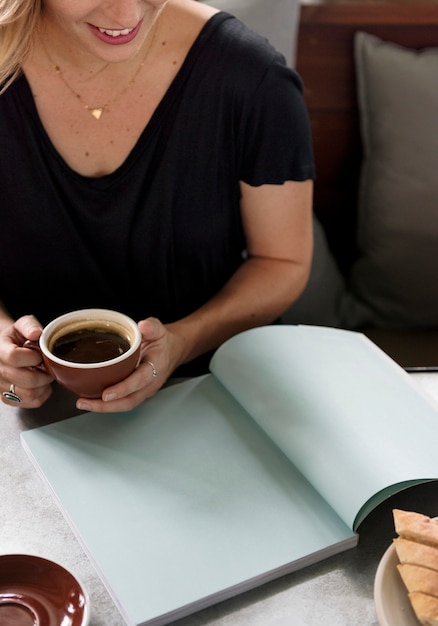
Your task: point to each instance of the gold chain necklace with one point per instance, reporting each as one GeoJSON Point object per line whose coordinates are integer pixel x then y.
{"type": "Point", "coordinates": [97, 112]}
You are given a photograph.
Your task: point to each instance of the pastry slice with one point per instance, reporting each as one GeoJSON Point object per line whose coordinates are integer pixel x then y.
{"type": "Point", "coordinates": [416, 527]}
{"type": "Point", "coordinates": [425, 608]}
{"type": "Point", "coordinates": [418, 578]}
{"type": "Point", "coordinates": [416, 553]}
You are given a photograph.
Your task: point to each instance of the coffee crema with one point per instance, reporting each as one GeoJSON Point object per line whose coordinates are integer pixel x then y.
{"type": "Point", "coordinates": [90, 345]}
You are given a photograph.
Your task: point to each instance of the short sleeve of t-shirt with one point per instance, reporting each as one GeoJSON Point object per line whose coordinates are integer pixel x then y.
{"type": "Point", "coordinates": [276, 142]}
{"type": "Point", "coordinates": [258, 100]}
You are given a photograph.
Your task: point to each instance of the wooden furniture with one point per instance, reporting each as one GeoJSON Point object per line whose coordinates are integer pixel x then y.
{"type": "Point", "coordinates": [325, 61]}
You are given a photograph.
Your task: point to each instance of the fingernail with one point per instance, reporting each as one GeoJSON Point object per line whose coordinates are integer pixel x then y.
{"type": "Point", "coordinates": [83, 406]}
{"type": "Point", "coordinates": [34, 330]}
{"type": "Point", "coordinates": [109, 396]}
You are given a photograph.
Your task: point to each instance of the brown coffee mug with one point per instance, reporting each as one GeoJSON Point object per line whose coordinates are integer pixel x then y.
{"type": "Point", "coordinates": [88, 350]}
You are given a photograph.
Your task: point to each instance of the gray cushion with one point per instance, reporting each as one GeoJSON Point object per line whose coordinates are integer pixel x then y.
{"type": "Point", "coordinates": [396, 276]}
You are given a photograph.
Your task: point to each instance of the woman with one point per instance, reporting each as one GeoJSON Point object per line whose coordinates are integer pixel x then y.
{"type": "Point", "coordinates": [155, 158]}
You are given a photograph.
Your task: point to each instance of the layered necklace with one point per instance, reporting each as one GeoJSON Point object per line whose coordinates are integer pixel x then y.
{"type": "Point", "coordinates": [97, 112]}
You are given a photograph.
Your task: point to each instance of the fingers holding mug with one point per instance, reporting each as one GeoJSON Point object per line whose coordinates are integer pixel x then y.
{"type": "Point", "coordinates": [128, 393]}
{"type": "Point", "coordinates": [23, 381]}
{"type": "Point", "coordinates": [32, 394]}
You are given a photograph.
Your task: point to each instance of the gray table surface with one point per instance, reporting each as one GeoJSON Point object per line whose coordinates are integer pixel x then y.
{"type": "Point", "coordinates": [335, 592]}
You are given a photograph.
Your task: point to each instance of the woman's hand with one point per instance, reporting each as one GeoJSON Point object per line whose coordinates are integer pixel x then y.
{"type": "Point", "coordinates": [159, 358]}
{"type": "Point", "coordinates": [20, 370]}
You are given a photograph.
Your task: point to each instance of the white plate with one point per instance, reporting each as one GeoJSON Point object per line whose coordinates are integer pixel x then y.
{"type": "Point", "coordinates": [390, 594]}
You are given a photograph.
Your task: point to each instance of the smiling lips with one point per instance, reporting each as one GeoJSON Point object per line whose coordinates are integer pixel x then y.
{"type": "Point", "coordinates": [116, 37]}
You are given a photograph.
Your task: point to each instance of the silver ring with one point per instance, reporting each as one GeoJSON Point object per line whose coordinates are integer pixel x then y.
{"type": "Point", "coordinates": [11, 395]}
{"type": "Point", "coordinates": [154, 371]}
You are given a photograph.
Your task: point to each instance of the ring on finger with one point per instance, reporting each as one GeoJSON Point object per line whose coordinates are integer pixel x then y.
{"type": "Point", "coordinates": [11, 395]}
{"type": "Point", "coordinates": [154, 370]}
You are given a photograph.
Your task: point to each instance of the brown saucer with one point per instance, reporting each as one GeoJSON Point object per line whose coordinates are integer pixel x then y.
{"type": "Point", "coordinates": [38, 592]}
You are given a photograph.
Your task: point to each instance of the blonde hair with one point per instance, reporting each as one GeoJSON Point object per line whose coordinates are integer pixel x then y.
{"type": "Point", "coordinates": [18, 19]}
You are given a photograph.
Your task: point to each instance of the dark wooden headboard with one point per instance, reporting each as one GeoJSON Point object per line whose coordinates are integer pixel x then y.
{"type": "Point", "coordinates": [325, 61]}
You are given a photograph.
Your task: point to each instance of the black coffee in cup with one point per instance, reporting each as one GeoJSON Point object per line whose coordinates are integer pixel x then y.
{"type": "Point", "coordinates": [91, 344]}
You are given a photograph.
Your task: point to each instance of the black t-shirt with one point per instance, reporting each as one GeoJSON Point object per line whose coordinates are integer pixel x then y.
{"type": "Point", "coordinates": [161, 234]}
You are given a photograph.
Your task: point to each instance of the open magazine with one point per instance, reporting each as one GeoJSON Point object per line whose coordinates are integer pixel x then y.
{"type": "Point", "coordinates": [223, 482]}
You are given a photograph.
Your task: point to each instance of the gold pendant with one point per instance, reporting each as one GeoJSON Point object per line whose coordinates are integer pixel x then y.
{"type": "Point", "coordinates": [97, 113]}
